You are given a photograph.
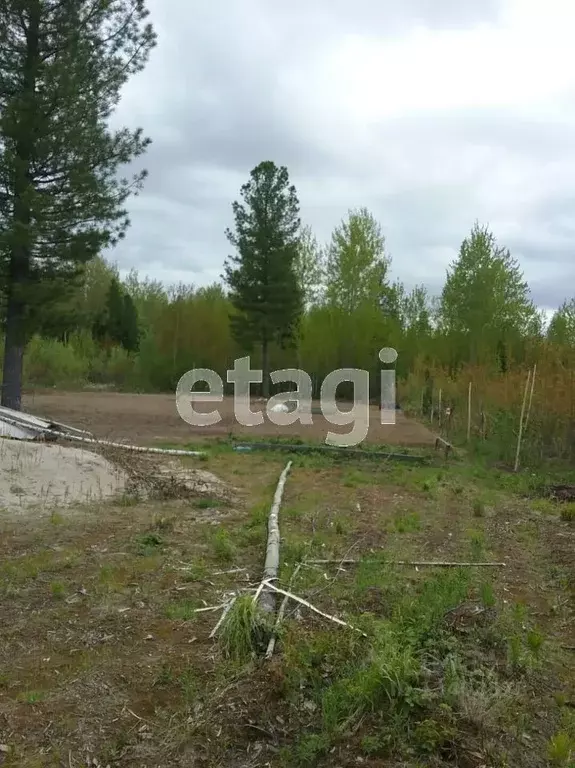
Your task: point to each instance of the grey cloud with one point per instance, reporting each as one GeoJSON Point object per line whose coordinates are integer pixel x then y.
{"type": "Point", "coordinates": [217, 99]}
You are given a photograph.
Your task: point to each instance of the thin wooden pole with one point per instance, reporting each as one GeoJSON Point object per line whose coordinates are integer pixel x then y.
{"type": "Point", "coordinates": [439, 410]}
{"type": "Point", "coordinates": [530, 396]}
{"type": "Point", "coordinates": [520, 435]}
{"type": "Point", "coordinates": [469, 412]}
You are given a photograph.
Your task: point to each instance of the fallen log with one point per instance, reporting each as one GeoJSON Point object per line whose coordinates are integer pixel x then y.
{"type": "Point", "coordinates": [272, 561]}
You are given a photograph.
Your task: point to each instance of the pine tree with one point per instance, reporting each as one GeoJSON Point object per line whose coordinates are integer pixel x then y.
{"type": "Point", "coordinates": [130, 339]}
{"type": "Point", "coordinates": [62, 66]}
{"type": "Point", "coordinates": [262, 279]}
{"type": "Point", "coordinates": [118, 323]}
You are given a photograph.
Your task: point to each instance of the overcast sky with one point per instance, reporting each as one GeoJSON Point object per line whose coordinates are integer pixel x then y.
{"type": "Point", "coordinates": [431, 113]}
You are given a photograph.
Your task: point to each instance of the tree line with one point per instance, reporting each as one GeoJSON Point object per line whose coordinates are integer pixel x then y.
{"type": "Point", "coordinates": [290, 301]}
{"type": "Point", "coordinates": [69, 319]}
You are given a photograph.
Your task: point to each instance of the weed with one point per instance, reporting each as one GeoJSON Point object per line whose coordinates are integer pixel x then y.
{"type": "Point", "coordinates": [206, 503]}
{"type": "Point", "coordinates": [560, 749]}
{"type": "Point", "coordinates": [149, 544]}
{"type": "Point", "coordinates": [487, 595]}
{"type": "Point", "coordinates": [295, 551]}
{"type": "Point", "coordinates": [355, 477]}
{"type": "Point", "coordinates": [163, 524]}
{"type": "Point", "coordinates": [183, 611]}
{"type": "Point", "coordinates": [245, 630]}
{"type": "Point", "coordinates": [128, 500]}
{"type": "Point", "coordinates": [32, 697]}
{"type": "Point", "coordinates": [57, 589]}
{"type": "Point", "coordinates": [478, 508]}
{"type": "Point", "coordinates": [476, 545]}
{"type": "Point", "coordinates": [432, 735]}
{"type": "Point", "coordinates": [308, 750]}
{"type": "Point", "coordinates": [223, 546]}
{"type": "Point", "coordinates": [407, 523]}
{"type": "Point", "coordinates": [258, 516]}
{"type": "Point", "coordinates": [568, 513]}
{"type": "Point", "coordinates": [165, 676]}
{"type": "Point", "coordinates": [196, 572]}
{"type": "Point", "coordinates": [56, 518]}
{"type": "Point", "coordinates": [535, 642]}
{"type": "Point", "coordinates": [189, 686]}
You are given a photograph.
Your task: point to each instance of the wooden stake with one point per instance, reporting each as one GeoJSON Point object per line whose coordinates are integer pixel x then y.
{"type": "Point", "coordinates": [530, 396]}
{"type": "Point", "coordinates": [439, 410]}
{"type": "Point", "coordinates": [520, 435]}
{"type": "Point", "coordinates": [469, 413]}
{"type": "Point", "coordinates": [272, 561]}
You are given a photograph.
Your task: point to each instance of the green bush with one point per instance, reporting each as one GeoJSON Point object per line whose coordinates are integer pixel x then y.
{"type": "Point", "coordinates": [50, 363]}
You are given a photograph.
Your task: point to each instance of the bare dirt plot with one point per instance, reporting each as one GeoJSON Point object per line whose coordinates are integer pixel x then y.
{"type": "Point", "coordinates": [149, 419]}
{"type": "Point", "coordinates": [36, 478]}
{"type": "Point", "coordinates": [102, 657]}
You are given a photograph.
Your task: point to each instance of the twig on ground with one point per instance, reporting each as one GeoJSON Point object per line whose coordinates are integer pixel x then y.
{"type": "Point", "coordinates": [415, 563]}
{"type": "Point", "coordinates": [281, 612]}
{"type": "Point", "coordinates": [210, 608]}
{"type": "Point", "coordinates": [225, 612]}
{"type": "Point", "coordinates": [301, 600]}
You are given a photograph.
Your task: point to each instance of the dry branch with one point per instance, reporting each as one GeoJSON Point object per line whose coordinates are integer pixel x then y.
{"type": "Point", "coordinates": [272, 561]}
{"type": "Point", "coordinates": [415, 563]}
{"type": "Point", "coordinates": [281, 612]}
{"type": "Point", "coordinates": [301, 600]}
{"type": "Point", "coordinates": [225, 612]}
{"type": "Point", "coordinates": [440, 441]}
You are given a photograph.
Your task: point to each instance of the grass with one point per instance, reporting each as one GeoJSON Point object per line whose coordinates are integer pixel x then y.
{"type": "Point", "coordinates": [457, 664]}
{"type": "Point", "coordinates": [222, 546]}
{"type": "Point", "coordinates": [245, 630]}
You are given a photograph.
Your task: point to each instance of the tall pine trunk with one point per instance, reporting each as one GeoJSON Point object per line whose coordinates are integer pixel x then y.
{"type": "Point", "coordinates": [20, 252]}
{"type": "Point", "coordinates": [13, 356]}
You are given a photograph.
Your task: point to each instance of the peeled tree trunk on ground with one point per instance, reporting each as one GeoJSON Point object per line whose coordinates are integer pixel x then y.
{"type": "Point", "coordinates": [62, 66]}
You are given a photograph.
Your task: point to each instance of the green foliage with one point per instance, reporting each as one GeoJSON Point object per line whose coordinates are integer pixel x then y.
{"type": "Point", "coordinates": [261, 276]}
{"type": "Point", "coordinates": [118, 321]}
{"type": "Point", "coordinates": [50, 363]}
{"type": "Point", "coordinates": [357, 264]}
{"type": "Point", "coordinates": [485, 300]}
{"type": "Point", "coordinates": [245, 630]}
{"type": "Point", "coordinates": [562, 326]}
{"type": "Point", "coordinates": [62, 67]}
{"type": "Point", "coordinates": [309, 266]}
{"type": "Point", "coordinates": [560, 749]}
{"type": "Point", "coordinates": [223, 546]}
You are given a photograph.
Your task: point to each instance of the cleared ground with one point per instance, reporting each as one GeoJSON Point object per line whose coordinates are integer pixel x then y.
{"type": "Point", "coordinates": [149, 419]}
{"type": "Point", "coordinates": [105, 660]}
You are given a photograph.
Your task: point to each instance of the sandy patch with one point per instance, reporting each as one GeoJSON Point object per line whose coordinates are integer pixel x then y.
{"type": "Point", "coordinates": [42, 476]}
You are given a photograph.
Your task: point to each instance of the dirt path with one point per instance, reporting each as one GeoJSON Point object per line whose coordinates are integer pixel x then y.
{"type": "Point", "coordinates": [154, 418]}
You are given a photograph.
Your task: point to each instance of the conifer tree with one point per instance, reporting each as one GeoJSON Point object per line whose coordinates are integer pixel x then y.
{"type": "Point", "coordinates": [62, 67]}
